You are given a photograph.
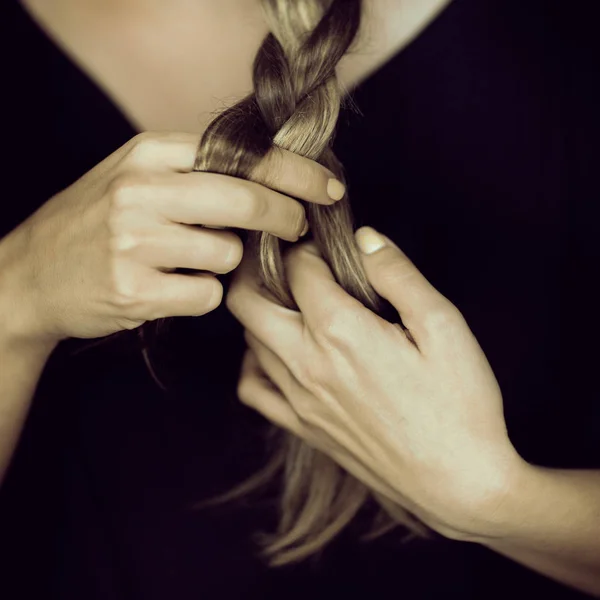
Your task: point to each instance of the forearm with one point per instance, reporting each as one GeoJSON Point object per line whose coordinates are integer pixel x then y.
{"type": "Point", "coordinates": [22, 360]}
{"type": "Point", "coordinates": [20, 370]}
{"type": "Point", "coordinates": [549, 521]}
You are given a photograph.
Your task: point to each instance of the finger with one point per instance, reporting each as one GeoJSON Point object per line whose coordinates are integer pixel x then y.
{"type": "Point", "coordinates": [280, 170]}
{"type": "Point", "coordinates": [277, 327]}
{"type": "Point", "coordinates": [397, 279]}
{"type": "Point", "coordinates": [181, 246]}
{"type": "Point", "coordinates": [177, 295]}
{"type": "Point", "coordinates": [316, 292]}
{"type": "Point", "coordinates": [219, 200]}
{"type": "Point", "coordinates": [257, 392]}
{"type": "Point", "coordinates": [254, 390]}
{"type": "Point", "coordinates": [297, 176]}
{"type": "Point", "coordinates": [162, 150]}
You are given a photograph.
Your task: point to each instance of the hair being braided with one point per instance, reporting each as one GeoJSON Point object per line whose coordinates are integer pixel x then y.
{"type": "Point", "coordinates": [295, 106]}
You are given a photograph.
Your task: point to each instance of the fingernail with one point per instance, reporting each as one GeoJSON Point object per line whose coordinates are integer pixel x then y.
{"type": "Point", "coordinates": [336, 189]}
{"type": "Point", "coordinates": [305, 230]}
{"type": "Point", "coordinates": [369, 241]}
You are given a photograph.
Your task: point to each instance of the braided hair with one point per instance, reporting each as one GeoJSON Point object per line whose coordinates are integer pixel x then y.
{"type": "Point", "coordinates": [295, 106]}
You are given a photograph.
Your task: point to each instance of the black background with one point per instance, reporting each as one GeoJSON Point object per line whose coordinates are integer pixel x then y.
{"type": "Point", "coordinates": [475, 151]}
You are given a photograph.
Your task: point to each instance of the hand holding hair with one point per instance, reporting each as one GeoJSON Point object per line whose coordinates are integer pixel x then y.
{"type": "Point", "coordinates": [414, 414]}
{"type": "Point", "coordinates": [99, 256]}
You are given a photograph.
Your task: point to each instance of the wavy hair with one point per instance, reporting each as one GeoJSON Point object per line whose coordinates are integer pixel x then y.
{"type": "Point", "coordinates": [295, 106]}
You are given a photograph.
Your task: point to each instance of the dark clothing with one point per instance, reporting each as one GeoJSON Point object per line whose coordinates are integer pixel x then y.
{"type": "Point", "coordinates": [474, 153]}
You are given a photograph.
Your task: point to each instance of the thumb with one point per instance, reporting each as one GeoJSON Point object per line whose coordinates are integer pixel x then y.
{"type": "Point", "coordinates": [396, 278]}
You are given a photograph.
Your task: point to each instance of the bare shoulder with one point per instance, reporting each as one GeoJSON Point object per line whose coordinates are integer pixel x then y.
{"type": "Point", "coordinates": [387, 26]}
{"type": "Point", "coordinates": [171, 65]}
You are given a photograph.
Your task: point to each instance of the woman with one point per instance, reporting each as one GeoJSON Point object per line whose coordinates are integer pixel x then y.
{"type": "Point", "coordinates": [469, 482]}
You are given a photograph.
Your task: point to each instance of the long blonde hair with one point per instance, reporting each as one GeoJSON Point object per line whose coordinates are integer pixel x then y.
{"type": "Point", "coordinates": [295, 106]}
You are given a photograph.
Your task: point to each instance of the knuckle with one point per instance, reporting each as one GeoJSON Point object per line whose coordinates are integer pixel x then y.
{"type": "Point", "coordinates": [441, 318]}
{"type": "Point", "coordinates": [144, 147]}
{"type": "Point", "coordinates": [253, 205]}
{"type": "Point", "coordinates": [225, 252]}
{"type": "Point", "coordinates": [122, 241]}
{"type": "Point", "coordinates": [120, 200]}
{"type": "Point", "coordinates": [307, 376]}
{"type": "Point", "coordinates": [298, 218]}
{"type": "Point", "coordinates": [141, 136]}
{"type": "Point", "coordinates": [313, 375]}
{"type": "Point", "coordinates": [313, 417]}
{"type": "Point", "coordinates": [121, 191]}
{"type": "Point", "coordinates": [336, 327]}
{"type": "Point", "coordinates": [125, 290]}
{"type": "Point", "coordinates": [235, 254]}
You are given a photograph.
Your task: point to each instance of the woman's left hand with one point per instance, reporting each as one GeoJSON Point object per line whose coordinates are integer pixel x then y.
{"type": "Point", "coordinates": [417, 417]}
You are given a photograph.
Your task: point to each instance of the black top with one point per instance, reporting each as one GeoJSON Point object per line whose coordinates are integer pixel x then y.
{"type": "Point", "coordinates": [473, 152]}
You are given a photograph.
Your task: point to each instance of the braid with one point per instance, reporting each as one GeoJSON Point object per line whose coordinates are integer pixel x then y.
{"type": "Point", "coordinates": [295, 106]}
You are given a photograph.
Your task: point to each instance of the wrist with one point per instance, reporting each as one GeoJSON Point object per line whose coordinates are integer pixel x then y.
{"type": "Point", "coordinates": [505, 505]}
{"type": "Point", "coordinates": [16, 337]}
{"type": "Point", "coordinates": [489, 509]}
{"type": "Point", "coordinates": [17, 324]}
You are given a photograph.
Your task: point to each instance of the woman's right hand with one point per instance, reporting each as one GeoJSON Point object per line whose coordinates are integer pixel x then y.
{"type": "Point", "coordinates": [95, 258]}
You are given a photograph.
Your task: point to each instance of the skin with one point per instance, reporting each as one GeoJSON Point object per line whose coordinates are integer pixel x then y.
{"type": "Point", "coordinates": [185, 68]}
{"type": "Point", "coordinates": [416, 414]}
{"type": "Point", "coordinates": [127, 221]}
{"type": "Point", "coordinates": [96, 258]}
{"type": "Point", "coordinates": [191, 57]}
